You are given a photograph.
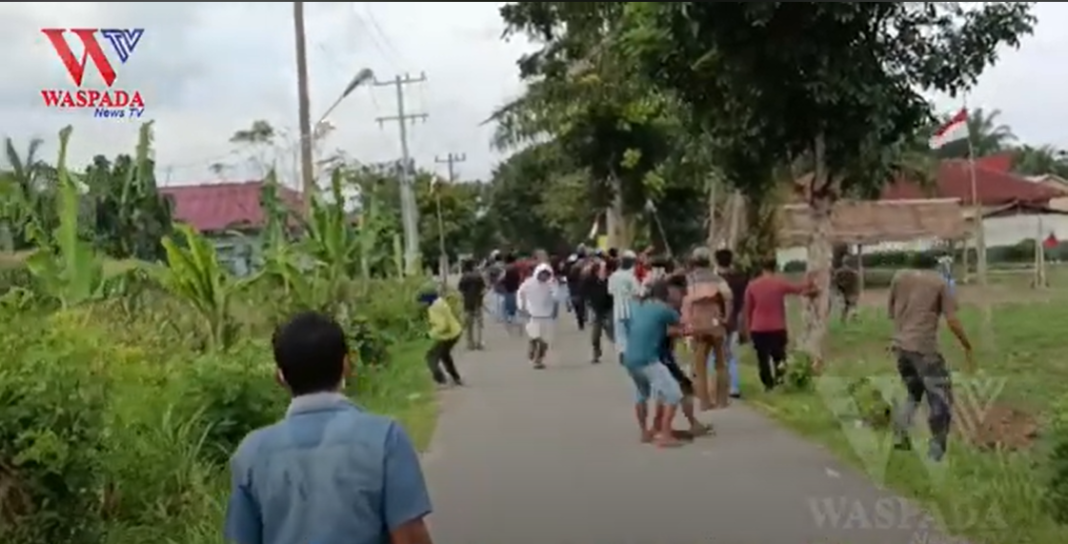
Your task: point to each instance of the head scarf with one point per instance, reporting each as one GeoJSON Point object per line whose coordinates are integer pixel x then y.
{"type": "Point", "coordinates": [428, 297]}
{"type": "Point", "coordinates": [542, 267]}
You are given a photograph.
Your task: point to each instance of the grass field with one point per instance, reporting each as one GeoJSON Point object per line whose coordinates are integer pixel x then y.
{"type": "Point", "coordinates": [991, 486]}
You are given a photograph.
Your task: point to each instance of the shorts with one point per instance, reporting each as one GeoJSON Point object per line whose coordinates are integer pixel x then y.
{"type": "Point", "coordinates": [654, 381]}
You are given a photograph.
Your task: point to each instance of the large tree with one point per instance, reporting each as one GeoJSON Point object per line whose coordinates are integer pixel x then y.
{"type": "Point", "coordinates": [837, 82]}
{"type": "Point", "coordinates": [607, 123]}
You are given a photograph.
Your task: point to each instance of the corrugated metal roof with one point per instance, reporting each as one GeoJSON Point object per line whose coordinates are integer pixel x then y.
{"type": "Point", "coordinates": [954, 180]}
{"type": "Point", "coordinates": [222, 206]}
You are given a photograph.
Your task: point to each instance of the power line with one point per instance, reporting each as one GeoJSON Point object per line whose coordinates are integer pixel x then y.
{"type": "Point", "coordinates": [409, 210]}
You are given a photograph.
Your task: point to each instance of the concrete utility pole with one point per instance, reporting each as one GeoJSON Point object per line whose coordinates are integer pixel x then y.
{"type": "Point", "coordinates": [452, 159]}
{"type": "Point", "coordinates": [409, 210]}
{"type": "Point", "coordinates": [304, 110]}
{"type": "Point", "coordinates": [443, 259]}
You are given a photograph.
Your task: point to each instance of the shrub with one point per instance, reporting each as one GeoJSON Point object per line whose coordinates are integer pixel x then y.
{"type": "Point", "coordinates": [1057, 470]}
{"type": "Point", "coordinates": [799, 373]}
{"type": "Point", "coordinates": [53, 399]}
{"type": "Point", "coordinates": [230, 395]}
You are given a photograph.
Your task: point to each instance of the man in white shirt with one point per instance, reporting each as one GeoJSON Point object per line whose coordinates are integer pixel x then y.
{"type": "Point", "coordinates": [624, 288]}
{"type": "Point", "coordinates": [538, 297]}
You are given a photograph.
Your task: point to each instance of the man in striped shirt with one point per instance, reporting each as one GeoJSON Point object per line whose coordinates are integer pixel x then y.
{"type": "Point", "coordinates": [624, 287]}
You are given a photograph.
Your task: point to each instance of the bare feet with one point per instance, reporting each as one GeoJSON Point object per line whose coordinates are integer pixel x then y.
{"type": "Point", "coordinates": [666, 441]}
{"type": "Point", "coordinates": [647, 437]}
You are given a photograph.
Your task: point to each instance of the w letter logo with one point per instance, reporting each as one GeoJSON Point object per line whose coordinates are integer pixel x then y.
{"type": "Point", "coordinates": [123, 42]}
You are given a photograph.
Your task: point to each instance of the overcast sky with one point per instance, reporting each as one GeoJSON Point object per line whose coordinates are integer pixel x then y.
{"type": "Point", "coordinates": [208, 69]}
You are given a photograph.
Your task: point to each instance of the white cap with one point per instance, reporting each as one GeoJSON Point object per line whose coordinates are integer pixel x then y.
{"type": "Point", "coordinates": [628, 254]}
{"type": "Point", "coordinates": [572, 258]}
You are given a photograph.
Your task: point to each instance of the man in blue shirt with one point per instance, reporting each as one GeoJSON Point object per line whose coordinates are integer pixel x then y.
{"type": "Point", "coordinates": [650, 321]}
{"type": "Point", "coordinates": [329, 473]}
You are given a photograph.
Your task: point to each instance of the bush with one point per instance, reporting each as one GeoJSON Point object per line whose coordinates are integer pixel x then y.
{"type": "Point", "coordinates": [115, 425]}
{"type": "Point", "coordinates": [53, 398]}
{"type": "Point", "coordinates": [1057, 470]}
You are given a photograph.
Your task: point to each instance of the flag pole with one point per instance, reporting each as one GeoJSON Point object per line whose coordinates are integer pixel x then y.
{"type": "Point", "coordinates": [977, 207]}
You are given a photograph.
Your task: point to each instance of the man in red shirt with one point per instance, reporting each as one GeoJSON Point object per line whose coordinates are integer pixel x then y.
{"type": "Point", "coordinates": [765, 320]}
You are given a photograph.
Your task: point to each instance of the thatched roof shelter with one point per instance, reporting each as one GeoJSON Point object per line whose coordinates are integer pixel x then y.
{"type": "Point", "coordinates": [871, 222]}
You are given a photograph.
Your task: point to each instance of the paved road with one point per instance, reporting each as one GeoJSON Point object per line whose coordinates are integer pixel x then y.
{"type": "Point", "coordinates": [552, 457]}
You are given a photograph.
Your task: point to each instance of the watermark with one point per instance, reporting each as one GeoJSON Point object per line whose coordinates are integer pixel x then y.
{"type": "Point", "coordinates": [109, 101]}
{"type": "Point", "coordinates": [904, 516]}
{"type": "Point", "coordinates": [971, 399]}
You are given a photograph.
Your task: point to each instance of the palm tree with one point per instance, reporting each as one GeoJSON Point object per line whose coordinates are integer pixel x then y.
{"type": "Point", "coordinates": [20, 185]}
{"type": "Point", "coordinates": [986, 135]}
{"type": "Point", "coordinates": [989, 136]}
{"type": "Point", "coordinates": [1041, 160]}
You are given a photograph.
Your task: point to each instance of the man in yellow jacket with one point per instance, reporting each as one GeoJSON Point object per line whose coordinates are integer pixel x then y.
{"type": "Point", "coordinates": [445, 331]}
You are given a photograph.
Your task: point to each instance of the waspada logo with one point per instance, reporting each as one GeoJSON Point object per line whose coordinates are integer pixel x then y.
{"type": "Point", "coordinates": [972, 399]}
{"type": "Point", "coordinates": [108, 101]}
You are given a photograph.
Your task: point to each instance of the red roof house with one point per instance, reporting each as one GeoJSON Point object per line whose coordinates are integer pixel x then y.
{"type": "Point", "coordinates": [221, 206]}
{"type": "Point", "coordinates": [993, 187]}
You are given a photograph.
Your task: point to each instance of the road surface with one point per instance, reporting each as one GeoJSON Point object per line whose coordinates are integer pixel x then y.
{"type": "Point", "coordinates": [524, 456]}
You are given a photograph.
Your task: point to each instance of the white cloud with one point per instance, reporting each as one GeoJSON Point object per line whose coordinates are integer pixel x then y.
{"type": "Point", "coordinates": [208, 69]}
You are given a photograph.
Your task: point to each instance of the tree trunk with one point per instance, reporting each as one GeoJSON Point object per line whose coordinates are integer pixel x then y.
{"type": "Point", "coordinates": [614, 218]}
{"type": "Point", "coordinates": [714, 235]}
{"type": "Point", "coordinates": [737, 209]}
{"type": "Point", "coordinates": [816, 309]}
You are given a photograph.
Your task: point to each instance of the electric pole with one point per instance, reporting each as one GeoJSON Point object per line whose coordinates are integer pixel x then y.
{"type": "Point", "coordinates": [443, 260]}
{"type": "Point", "coordinates": [452, 159]}
{"type": "Point", "coordinates": [409, 210]}
{"type": "Point", "coordinates": [304, 110]}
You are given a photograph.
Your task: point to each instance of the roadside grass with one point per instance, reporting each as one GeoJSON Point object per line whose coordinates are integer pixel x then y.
{"type": "Point", "coordinates": [402, 390]}
{"type": "Point", "coordinates": [992, 496]}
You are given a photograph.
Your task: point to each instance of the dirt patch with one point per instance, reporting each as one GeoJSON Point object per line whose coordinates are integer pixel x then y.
{"type": "Point", "coordinates": [997, 427]}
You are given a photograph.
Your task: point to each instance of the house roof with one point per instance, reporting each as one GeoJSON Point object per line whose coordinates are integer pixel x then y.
{"type": "Point", "coordinates": [221, 206]}
{"type": "Point", "coordinates": [1022, 208]}
{"type": "Point", "coordinates": [869, 222]}
{"type": "Point", "coordinates": [954, 180]}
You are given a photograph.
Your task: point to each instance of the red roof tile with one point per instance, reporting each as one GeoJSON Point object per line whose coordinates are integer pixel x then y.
{"type": "Point", "coordinates": [998, 163]}
{"type": "Point", "coordinates": [221, 206]}
{"type": "Point", "coordinates": [954, 180]}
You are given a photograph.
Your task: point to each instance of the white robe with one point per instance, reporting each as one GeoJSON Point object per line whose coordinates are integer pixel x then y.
{"type": "Point", "coordinates": [539, 300]}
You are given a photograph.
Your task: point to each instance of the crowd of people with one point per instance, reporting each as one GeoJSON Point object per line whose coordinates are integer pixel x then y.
{"type": "Point", "coordinates": [332, 472]}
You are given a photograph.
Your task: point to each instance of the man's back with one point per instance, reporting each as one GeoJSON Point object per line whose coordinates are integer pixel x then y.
{"type": "Point", "coordinates": [648, 326]}
{"type": "Point", "coordinates": [918, 298]}
{"type": "Point", "coordinates": [329, 473]}
{"type": "Point", "coordinates": [472, 287]}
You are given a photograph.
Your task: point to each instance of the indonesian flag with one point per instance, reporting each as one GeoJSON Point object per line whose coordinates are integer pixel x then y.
{"type": "Point", "coordinates": [954, 130]}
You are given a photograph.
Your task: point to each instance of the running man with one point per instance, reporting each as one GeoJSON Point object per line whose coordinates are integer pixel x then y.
{"type": "Point", "coordinates": [918, 298]}
{"type": "Point", "coordinates": [624, 287]}
{"type": "Point", "coordinates": [538, 297]}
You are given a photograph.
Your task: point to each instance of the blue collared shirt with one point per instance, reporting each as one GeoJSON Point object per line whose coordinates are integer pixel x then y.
{"type": "Point", "coordinates": [329, 473]}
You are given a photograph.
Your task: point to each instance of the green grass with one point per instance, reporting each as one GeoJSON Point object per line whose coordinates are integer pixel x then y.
{"type": "Point", "coordinates": [991, 496]}
{"type": "Point", "coordinates": [403, 390]}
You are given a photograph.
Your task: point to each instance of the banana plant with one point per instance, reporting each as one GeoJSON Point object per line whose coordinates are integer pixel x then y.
{"type": "Point", "coordinates": [330, 239]}
{"type": "Point", "coordinates": [65, 266]}
{"type": "Point", "coordinates": [193, 274]}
